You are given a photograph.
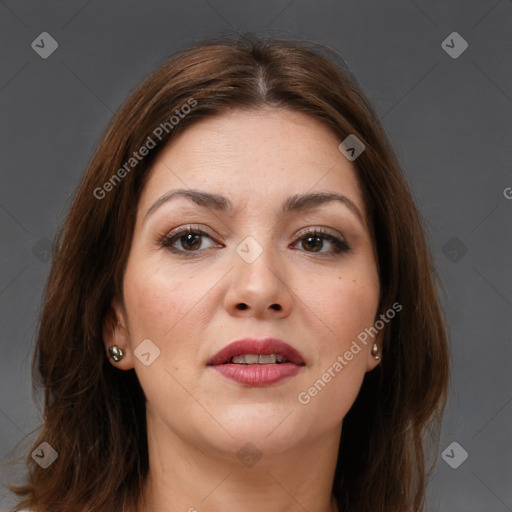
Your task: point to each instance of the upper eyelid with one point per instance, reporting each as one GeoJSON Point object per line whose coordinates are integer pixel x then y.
{"type": "Point", "coordinates": [323, 230]}
{"type": "Point", "coordinates": [302, 232]}
{"type": "Point", "coordinates": [189, 227]}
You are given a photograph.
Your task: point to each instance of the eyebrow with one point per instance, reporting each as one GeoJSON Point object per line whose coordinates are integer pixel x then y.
{"type": "Point", "coordinates": [294, 203]}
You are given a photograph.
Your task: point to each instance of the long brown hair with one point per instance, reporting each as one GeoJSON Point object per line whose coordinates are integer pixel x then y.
{"type": "Point", "coordinates": [94, 414]}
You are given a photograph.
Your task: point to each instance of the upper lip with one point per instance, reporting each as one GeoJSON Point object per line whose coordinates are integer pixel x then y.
{"type": "Point", "coordinates": [263, 346]}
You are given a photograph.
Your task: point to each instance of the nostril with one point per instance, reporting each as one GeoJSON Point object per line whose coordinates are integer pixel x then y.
{"type": "Point", "coordinates": [243, 306]}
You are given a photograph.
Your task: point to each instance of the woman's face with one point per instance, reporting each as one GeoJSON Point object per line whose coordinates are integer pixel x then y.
{"type": "Point", "coordinates": [256, 272]}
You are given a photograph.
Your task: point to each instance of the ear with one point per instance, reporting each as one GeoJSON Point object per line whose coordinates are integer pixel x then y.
{"type": "Point", "coordinates": [116, 333]}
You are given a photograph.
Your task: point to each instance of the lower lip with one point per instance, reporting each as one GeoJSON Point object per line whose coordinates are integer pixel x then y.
{"type": "Point", "coordinates": [257, 375]}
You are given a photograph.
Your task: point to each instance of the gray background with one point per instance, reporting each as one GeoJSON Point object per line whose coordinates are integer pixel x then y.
{"type": "Point", "coordinates": [448, 120]}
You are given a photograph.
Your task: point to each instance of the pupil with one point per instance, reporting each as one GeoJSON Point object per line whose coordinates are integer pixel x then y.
{"type": "Point", "coordinates": [311, 245]}
{"type": "Point", "coordinates": [187, 240]}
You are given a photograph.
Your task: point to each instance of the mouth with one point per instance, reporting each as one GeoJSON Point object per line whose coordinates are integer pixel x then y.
{"type": "Point", "coordinates": [250, 351]}
{"type": "Point", "coordinates": [257, 359]}
{"type": "Point", "coordinates": [257, 363]}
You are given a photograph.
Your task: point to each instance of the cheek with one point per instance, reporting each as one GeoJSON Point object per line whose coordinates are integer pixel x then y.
{"type": "Point", "coordinates": [346, 305]}
{"type": "Point", "coordinates": [357, 302]}
{"type": "Point", "coordinates": [154, 302]}
{"type": "Point", "coordinates": [168, 307]}
{"type": "Point", "coordinates": [349, 305]}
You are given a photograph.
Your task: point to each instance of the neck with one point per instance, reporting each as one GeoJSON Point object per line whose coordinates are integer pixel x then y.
{"type": "Point", "coordinates": [189, 475]}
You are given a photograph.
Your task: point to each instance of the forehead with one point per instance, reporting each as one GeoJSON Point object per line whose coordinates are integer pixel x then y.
{"type": "Point", "coordinates": [262, 156]}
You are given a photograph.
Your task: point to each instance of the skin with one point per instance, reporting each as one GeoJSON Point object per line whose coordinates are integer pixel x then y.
{"type": "Point", "coordinates": [189, 308]}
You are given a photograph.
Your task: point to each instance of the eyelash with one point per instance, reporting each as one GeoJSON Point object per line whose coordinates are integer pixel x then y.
{"type": "Point", "coordinates": [167, 241]}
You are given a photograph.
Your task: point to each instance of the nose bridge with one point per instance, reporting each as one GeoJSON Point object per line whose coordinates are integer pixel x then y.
{"type": "Point", "coordinates": [258, 273]}
{"type": "Point", "coordinates": [256, 256]}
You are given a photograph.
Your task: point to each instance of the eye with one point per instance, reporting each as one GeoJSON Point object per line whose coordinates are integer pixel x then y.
{"type": "Point", "coordinates": [189, 239]}
{"type": "Point", "coordinates": [313, 239]}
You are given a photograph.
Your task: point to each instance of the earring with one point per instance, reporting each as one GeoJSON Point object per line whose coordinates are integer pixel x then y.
{"type": "Point", "coordinates": [115, 353]}
{"type": "Point", "coordinates": [375, 351]}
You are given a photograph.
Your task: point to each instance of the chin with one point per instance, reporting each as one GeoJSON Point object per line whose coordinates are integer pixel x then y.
{"type": "Point", "coordinates": [269, 427]}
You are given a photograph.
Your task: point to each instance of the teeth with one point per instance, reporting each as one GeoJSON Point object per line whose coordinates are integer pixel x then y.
{"type": "Point", "coordinates": [257, 359]}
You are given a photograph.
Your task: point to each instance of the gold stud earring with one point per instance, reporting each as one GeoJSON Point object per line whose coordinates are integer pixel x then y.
{"type": "Point", "coordinates": [375, 351]}
{"type": "Point", "coordinates": [115, 353]}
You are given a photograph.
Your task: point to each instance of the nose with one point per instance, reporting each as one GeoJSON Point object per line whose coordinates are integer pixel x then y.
{"type": "Point", "coordinates": [259, 287]}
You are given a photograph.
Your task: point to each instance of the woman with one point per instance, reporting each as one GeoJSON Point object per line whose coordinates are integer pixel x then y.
{"type": "Point", "coordinates": [241, 312]}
